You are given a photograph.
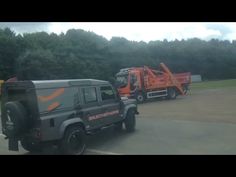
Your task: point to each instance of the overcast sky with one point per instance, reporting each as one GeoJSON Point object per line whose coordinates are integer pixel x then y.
{"type": "Point", "coordinates": [135, 31]}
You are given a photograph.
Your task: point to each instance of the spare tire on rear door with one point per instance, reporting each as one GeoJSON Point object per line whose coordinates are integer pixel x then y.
{"type": "Point", "coordinates": [16, 122]}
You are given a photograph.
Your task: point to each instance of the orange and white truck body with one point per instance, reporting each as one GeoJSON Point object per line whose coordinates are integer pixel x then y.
{"type": "Point", "coordinates": [144, 83]}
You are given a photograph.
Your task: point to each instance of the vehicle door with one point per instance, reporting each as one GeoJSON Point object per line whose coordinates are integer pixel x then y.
{"type": "Point", "coordinates": [110, 104]}
{"type": "Point", "coordinates": [91, 111]}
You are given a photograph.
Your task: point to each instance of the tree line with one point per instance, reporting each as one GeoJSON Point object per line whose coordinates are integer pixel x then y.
{"type": "Point", "coordinates": [79, 54]}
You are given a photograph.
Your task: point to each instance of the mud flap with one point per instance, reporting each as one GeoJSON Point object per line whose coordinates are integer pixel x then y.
{"type": "Point", "coordinates": [13, 144]}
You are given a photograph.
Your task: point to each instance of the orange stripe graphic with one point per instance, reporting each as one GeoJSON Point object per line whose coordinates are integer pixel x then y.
{"type": "Point", "coordinates": [53, 106]}
{"type": "Point", "coordinates": [55, 94]}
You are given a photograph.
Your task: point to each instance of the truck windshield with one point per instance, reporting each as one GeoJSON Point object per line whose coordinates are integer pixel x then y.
{"type": "Point", "coordinates": [121, 81]}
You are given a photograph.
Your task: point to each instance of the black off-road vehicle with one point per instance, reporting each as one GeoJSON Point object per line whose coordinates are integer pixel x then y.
{"type": "Point", "coordinates": [61, 112]}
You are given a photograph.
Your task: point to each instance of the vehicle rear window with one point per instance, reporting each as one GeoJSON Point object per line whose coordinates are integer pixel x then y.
{"type": "Point", "coordinates": [90, 95]}
{"type": "Point", "coordinates": [64, 98]}
{"type": "Point", "coordinates": [107, 93]}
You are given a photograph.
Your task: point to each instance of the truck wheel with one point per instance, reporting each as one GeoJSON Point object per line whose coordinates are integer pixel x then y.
{"type": "Point", "coordinates": [30, 146]}
{"type": "Point", "coordinates": [73, 142]}
{"type": "Point", "coordinates": [140, 98]}
{"type": "Point", "coordinates": [171, 94]}
{"type": "Point", "coordinates": [130, 121]}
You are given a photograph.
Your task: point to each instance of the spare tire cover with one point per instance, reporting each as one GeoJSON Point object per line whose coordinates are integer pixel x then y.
{"type": "Point", "coordinates": [16, 122]}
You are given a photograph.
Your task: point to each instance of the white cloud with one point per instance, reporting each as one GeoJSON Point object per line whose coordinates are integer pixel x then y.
{"type": "Point", "coordinates": [142, 31]}
{"type": "Point", "coordinates": [145, 31]}
{"type": "Point", "coordinates": [26, 27]}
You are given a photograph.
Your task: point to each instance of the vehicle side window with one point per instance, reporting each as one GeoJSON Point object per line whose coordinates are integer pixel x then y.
{"type": "Point", "coordinates": [90, 94]}
{"type": "Point", "coordinates": [107, 93]}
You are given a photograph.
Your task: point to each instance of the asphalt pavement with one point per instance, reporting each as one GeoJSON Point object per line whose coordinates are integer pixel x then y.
{"type": "Point", "coordinates": [159, 137]}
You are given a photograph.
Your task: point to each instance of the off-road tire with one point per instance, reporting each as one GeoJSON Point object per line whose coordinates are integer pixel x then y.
{"type": "Point", "coordinates": [73, 142]}
{"type": "Point", "coordinates": [130, 121]}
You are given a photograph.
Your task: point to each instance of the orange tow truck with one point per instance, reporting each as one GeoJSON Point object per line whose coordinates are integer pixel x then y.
{"type": "Point", "coordinates": [144, 83]}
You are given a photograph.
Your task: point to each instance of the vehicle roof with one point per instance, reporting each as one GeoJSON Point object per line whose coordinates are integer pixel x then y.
{"type": "Point", "coordinates": [67, 83]}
